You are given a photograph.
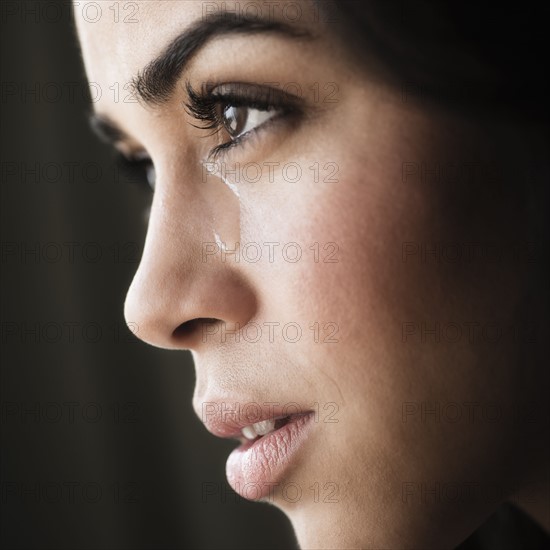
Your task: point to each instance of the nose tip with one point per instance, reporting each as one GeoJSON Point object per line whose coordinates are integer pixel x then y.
{"type": "Point", "coordinates": [177, 291]}
{"type": "Point", "coordinates": [174, 312]}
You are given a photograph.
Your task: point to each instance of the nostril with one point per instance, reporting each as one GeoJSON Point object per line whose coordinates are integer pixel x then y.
{"type": "Point", "coordinates": [193, 327]}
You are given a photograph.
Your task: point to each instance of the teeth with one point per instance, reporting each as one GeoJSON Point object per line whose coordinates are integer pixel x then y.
{"type": "Point", "coordinates": [249, 432]}
{"type": "Point", "coordinates": [264, 427]}
{"type": "Point", "coordinates": [259, 428]}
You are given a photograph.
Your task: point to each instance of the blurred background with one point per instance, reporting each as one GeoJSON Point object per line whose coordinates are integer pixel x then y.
{"type": "Point", "coordinates": [100, 446]}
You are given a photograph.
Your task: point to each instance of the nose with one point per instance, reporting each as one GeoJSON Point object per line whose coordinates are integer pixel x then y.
{"type": "Point", "coordinates": [178, 289]}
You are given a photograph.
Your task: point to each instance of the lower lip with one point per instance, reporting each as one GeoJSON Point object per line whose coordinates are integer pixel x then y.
{"type": "Point", "coordinates": [256, 468]}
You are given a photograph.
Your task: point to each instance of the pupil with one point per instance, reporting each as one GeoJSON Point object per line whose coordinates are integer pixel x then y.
{"type": "Point", "coordinates": [234, 119]}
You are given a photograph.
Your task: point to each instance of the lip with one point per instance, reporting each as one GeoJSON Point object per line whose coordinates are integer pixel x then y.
{"type": "Point", "coordinates": [227, 419]}
{"type": "Point", "coordinates": [256, 467]}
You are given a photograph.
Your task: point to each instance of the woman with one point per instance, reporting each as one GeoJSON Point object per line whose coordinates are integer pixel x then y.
{"type": "Point", "coordinates": [347, 232]}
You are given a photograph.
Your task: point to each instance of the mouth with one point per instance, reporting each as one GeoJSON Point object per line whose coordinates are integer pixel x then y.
{"type": "Point", "coordinates": [268, 449]}
{"type": "Point", "coordinates": [255, 431]}
{"type": "Point", "coordinates": [269, 443]}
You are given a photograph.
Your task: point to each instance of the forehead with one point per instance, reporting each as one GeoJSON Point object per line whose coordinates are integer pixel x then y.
{"type": "Point", "coordinates": [122, 40]}
{"type": "Point", "coordinates": [117, 43]}
{"type": "Point", "coordinates": [118, 40]}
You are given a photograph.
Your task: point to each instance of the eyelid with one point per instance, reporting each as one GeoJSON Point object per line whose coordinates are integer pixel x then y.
{"type": "Point", "coordinates": [254, 95]}
{"type": "Point", "coordinates": [223, 148]}
{"type": "Point", "coordinates": [204, 106]}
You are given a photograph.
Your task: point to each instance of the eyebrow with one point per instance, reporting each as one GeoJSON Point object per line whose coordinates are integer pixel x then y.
{"type": "Point", "coordinates": [156, 82]}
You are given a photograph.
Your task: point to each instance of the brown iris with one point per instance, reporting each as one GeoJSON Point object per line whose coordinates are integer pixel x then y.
{"type": "Point", "coordinates": [234, 119]}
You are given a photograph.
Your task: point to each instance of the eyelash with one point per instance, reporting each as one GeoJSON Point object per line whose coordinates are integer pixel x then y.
{"type": "Point", "coordinates": [207, 107]}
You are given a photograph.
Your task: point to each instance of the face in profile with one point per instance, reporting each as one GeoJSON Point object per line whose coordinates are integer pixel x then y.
{"type": "Point", "coordinates": [349, 267]}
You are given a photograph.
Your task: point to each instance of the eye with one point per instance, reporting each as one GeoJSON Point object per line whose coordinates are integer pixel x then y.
{"type": "Point", "coordinates": [151, 175]}
{"type": "Point", "coordinates": [239, 110]}
{"type": "Point", "coordinates": [138, 169]}
{"type": "Point", "coordinates": [238, 121]}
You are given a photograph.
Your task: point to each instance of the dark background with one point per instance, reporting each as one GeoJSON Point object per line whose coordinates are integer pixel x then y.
{"type": "Point", "coordinates": [100, 446]}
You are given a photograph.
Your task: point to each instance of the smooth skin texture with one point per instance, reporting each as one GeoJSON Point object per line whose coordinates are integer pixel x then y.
{"type": "Point", "coordinates": [382, 453]}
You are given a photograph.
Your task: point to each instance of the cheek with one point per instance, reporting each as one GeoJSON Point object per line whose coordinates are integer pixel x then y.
{"type": "Point", "coordinates": [338, 233]}
{"type": "Point", "coordinates": [353, 274]}
{"type": "Point", "coordinates": [378, 374]}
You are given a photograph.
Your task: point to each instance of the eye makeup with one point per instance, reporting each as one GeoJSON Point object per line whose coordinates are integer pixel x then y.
{"type": "Point", "coordinates": [240, 110]}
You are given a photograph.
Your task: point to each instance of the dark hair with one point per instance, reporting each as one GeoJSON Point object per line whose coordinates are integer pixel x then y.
{"type": "Point", "coordinates": [475, 54]}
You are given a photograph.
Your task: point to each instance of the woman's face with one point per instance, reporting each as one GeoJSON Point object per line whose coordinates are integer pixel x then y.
{"type": "Point", "coordinates": [341, 253]}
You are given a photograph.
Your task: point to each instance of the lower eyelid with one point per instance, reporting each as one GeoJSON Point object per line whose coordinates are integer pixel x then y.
{"type": "Point", "coordinates": [224, 149]}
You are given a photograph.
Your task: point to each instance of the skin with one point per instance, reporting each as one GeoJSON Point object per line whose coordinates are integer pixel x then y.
{"type": "Point", "coordinates": [381, 450]}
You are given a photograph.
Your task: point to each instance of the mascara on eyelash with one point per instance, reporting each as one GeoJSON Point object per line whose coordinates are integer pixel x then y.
{"type": "Point", "coordinates": [207, 105]}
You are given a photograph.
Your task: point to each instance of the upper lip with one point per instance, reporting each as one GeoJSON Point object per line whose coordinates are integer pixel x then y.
{"type": "Point", "coordinates": [227, 418]}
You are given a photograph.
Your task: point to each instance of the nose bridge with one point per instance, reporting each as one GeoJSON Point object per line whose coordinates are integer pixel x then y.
{"type": "Point", "coordinates": [179, 281]}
